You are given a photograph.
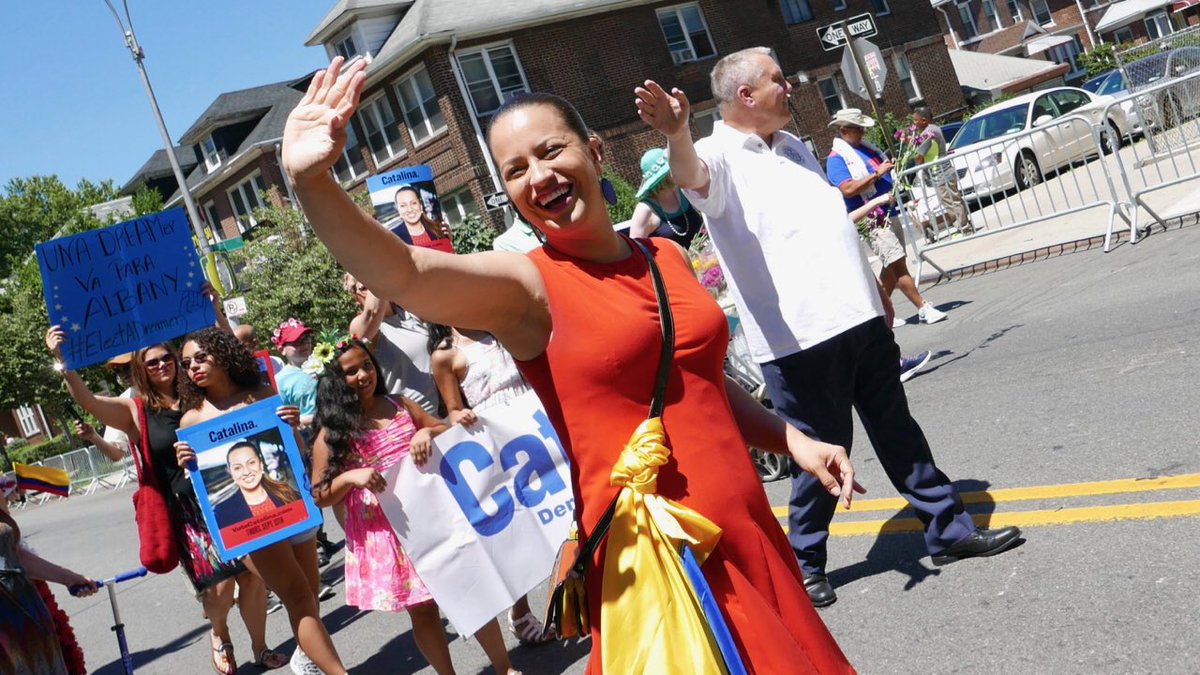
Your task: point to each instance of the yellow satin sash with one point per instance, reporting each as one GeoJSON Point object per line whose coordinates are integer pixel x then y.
{"type": "Point", "coordinates": [650, 620]}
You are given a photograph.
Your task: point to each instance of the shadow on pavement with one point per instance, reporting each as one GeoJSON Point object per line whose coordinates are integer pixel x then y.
{"type": "Point", "coordinates": [147, 656]}
{"type": "Point", "coordinates": [400, 656]}
{"type": "Point", "coordinates": [904, 551]}
{"type": "Point", "coordinates": [937, 360]}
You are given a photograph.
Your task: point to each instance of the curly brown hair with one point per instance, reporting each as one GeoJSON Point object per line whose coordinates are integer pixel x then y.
{"type": "Point", "coordinates": [226, 352]}
{"type": "Point", "coordinates": [141, 376]}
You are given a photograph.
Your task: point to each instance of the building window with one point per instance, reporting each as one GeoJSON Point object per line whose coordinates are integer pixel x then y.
{"type": "Point", "coordinates": [1041, 12]}
{"type": "Point", "coordinates": [27, 418]}
{"type": "Point", "coordinates": [245, 197]}
{"type": "Point", "coordinates": [831, 94]}
{"type": "Point", "coordinates": [991, 18]}
{"type": "Point", "coordinates": [1069, 54]}
{"type": "Point", "coordinates": [344, 47]}
{"type": "Point", "coordinates": [212, 158]}
{"type": "Point", "coordinates": [418, 103]}
{"type": "Point", "coordinates": [967, 17]}
{"type": "Point", "coordinates": [1123, 35]}
{"type": "Point", "coordinates": [492, 75]}
{"type": "Point", "coordinates": [1158, 25]}
{"type": "Point", "coordinates": [351, 164]}
{"type": "Point", "coordinates": [686, 33]}
{"type": "Point", "coordinates": [839, 5]}
{"type": "Point", "coordinates": [1014, 11]}
{"type": "Point", "coordinates": [213, 222]}
{"type": "Point", "coordinates": [456, 206]}
{"type": "Point", "coordinates": [705, 121]}
{"type": "Point", "coordinates": [383, 134]}
{"type": "Point", "coordinates": [904, 73]}
{"type": "Point", "coordinates": [797, 11]}
{"type": "Point", "coordinates": [881, 7]}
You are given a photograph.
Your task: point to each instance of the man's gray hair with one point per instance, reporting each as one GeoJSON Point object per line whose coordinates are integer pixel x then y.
{"type": "Point", "coordinates": [923, 112]}
{"type": "Point", "coordinates": [735, 70]}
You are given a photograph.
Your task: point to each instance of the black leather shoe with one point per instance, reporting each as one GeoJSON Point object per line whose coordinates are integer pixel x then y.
{"type": "Point", "coordinates": [978, 544]}
{"type": "Point", "coordinates": [820, 591]}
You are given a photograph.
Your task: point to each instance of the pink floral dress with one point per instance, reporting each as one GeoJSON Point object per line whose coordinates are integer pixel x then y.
{"type": "Point", "coordinates": [379, 576]}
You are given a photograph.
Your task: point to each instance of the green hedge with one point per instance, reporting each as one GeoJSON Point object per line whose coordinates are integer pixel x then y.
{"type": "Point", "coordinates": [36, 453]}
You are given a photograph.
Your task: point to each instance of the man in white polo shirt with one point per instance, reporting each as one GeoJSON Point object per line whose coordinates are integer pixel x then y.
{"type": "Point", "coordinates": [812, 310]}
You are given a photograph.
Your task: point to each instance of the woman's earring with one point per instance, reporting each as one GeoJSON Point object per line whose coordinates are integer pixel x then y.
{"type": "Point", "coordinates": [609, 192]}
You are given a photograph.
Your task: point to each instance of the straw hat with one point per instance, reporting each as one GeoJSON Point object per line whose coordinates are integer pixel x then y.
{"type": "Point", "coordinates": [851, 117]}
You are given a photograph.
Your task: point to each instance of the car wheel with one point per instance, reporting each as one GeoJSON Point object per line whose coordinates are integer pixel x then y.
{"type": "Point", "coordinates": [770, 466]}
{"type": "Point", "coordinates": [1028, 172]}
{"type": "Point", "coordinates": [1110, 139]}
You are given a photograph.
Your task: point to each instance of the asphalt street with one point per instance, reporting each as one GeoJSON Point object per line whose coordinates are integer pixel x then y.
{"type": "Point", "coordinates": [1074, 375]}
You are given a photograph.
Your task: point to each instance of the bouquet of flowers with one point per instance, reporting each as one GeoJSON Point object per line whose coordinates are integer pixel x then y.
{"type": "Point", "coordinates": [707, 267]}
{"type": "Point", "coordinates": [908, 140]}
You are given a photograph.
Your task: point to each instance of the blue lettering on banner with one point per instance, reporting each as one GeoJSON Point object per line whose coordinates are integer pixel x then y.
{"type": "Point", "coordinates": [484, 523]}
{"type": "Point", "coordinates": [539, 467]}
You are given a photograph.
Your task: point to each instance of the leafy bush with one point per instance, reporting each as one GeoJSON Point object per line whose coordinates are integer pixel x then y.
{"type": "Point", "coordinates": [626, 201]}
{"type": "Point", "coordinates": [36, 453]}
{"type": "Point", "coordinates": [473, 234]}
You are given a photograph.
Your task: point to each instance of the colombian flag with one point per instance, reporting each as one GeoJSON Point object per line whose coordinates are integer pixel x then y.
{"type": "Point", "coordinates": [43, 479]}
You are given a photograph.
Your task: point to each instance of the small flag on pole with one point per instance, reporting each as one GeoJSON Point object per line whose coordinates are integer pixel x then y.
{"type": "Point", "coordinates": [43, 479]}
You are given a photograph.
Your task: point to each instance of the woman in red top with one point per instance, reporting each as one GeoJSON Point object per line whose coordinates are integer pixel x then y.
{"type": "Point", "coordinates": [579, 315]}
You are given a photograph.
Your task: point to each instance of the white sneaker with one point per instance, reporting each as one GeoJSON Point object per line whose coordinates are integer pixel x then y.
{"type": "Point", "coordinates": [898, 322]}
{"type": "Point", "coordinates": [302, 665]}
{"type": "Point", "coordinates": [930, 314]}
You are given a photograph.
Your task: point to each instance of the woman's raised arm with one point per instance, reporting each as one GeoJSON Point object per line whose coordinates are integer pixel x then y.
{"type": "Point", "coordinates": [494, 291]}
{"type": "Point", "coordinates": [112, 412]}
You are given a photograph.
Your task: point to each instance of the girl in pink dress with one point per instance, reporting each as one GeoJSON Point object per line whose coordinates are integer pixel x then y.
{"type": "Point", "coordinates": [363, 432]}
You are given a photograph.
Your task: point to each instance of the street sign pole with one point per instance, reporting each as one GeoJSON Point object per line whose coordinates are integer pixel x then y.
{"type": "Point", "coordinates": [870, 85]}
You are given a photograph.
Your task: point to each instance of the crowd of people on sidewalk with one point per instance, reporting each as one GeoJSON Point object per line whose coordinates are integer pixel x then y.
{"type": "Point", "coordinates": [591, 321]}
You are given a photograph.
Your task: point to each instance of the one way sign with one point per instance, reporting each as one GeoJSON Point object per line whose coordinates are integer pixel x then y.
{"type": "Point", "coordinates": [832, 36]}
{"type": "Point", "coordinates": [496, 200]}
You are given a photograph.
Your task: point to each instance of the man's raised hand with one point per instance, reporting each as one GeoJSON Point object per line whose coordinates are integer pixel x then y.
{"type": "Point", "coordinates": [666, 113]}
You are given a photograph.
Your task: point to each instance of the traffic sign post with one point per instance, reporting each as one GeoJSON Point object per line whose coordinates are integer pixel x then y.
{"type": "Point", "coordinates": [865, 76]}
{"type": "Point", "coordinates": [833, 35]}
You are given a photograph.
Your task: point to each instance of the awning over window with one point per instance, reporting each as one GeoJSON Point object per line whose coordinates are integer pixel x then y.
{"type": "Point", "coordinates": [1045, 42]}
{"type": "Point", "coordinates": [1180, 5]}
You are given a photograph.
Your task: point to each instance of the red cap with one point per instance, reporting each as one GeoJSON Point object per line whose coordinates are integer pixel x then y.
{"type": "Point", "coordinates": [289, 331]}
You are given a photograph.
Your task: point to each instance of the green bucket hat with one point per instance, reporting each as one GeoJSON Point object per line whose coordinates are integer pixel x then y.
{"type": "Point", "coordinates": [654, 169]}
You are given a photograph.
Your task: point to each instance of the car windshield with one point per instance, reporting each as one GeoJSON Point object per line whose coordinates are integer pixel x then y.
{"type": "Point", "coordinates": [1095, 84]}
{"type": "Point", "coordinates": [992, 125]}
{"type": "Point", "coordinates": [1147, 71]}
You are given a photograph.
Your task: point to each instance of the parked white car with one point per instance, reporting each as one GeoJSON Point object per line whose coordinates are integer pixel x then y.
{"type": "Point", "coordinates": [992, 154]}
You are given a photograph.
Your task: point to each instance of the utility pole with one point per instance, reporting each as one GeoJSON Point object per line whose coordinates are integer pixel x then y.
{"type": "Point", "coordinates": [870, 85]}
{"type": "Point", "coordinates": [135, 49]}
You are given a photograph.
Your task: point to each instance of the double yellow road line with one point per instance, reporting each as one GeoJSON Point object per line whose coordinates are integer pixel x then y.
{"type": "Point", "coordinates": [1060, 516]}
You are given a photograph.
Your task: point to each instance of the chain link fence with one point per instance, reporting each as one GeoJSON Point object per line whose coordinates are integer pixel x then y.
{"type": "Point", "coordinates": [1170, 104]}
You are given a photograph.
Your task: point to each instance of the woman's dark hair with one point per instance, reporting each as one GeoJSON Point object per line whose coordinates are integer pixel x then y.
{"type": "Point", "coordinates": [561, 105]}
{"type": "Point", "coordinates": [430, 228]}
{"type": "Point", "coordinates": [226, 352]}
{"type": "Point", "coordinates": [141, 377]}
{"type": "Point", "coordinates": [340, 413]}
{"type": "Point", "coordinates": [440, 337]}
{"type": "Point", "coordinates": [281, 493]}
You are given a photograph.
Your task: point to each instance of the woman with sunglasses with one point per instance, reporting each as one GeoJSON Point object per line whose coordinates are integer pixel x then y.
{"type": "Point", "coordinates": [156, 379]}
{"type": "Point", "coordinates": [222, 376]}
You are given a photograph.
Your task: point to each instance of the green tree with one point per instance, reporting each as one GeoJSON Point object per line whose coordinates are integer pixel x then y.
{"type": "Point", "coordinates": [626, 199]}
{"type": "Point", "coordinates": [34, 209]}
{"type": "Point", "coordinates": [473, 234]}
{"type": "Point", "coordinates": [147, 200]}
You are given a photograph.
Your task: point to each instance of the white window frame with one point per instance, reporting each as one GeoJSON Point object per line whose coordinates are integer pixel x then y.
{"type": "Point", "coordinates": [432, 131]}
{"type": "Point", "coordinates": [903, 65]}
{"type": "Point", "coordinates": [1033, 8]}
{"type": "Point", "coordinates": [351, 135]}
{"type": "Point", "coordinates": [391, 150]}
{"type": "Point", "coordinates": [992, 16]}
{"type": "Point", "coordinates": [1014, 11]}
{"type": "Point", "coordinates": [807, 7]}
{"type": "Point", "coordinates": [212, 158]}
{"type": "Point", "coordinates": [713, 112]}
{"type": "Point", "coordinates": [454, 206]}
{"type": "Point", "coordinates": [486, 50]}
{"type": "Point", "coordinates": [214, 223]}
{"type": "Point", "coordinates": [1124, 30]}
{"type": "Point", "coordinates": [677, 10]}
{"type": "Point", "coordinates": [967, 18]}
{"type": "Point", "coordinates": [247, 190]}
{"type": "Point", "coordinates": [837, 87]}
{"type": "Point", "coordinates": [881, 7]}
{"type": "Point", "coordinates": [1154, 22]}
{"type": "Point", "coordinates": [27, 419]}
{"type": "Point", "coordinates": [337, 45]}
{"type": "Point", "coordinates": [1069, 54]}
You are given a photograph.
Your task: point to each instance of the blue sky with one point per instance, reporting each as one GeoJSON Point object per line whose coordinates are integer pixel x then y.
{"type": "Point", "coordinates": [76, 105]}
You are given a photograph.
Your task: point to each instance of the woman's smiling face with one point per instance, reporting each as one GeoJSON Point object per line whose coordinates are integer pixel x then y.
{"type": "Point", "coordinates": [358, 371]}
{"type": "Point", "coordinates": [245, 467]}
{"type": "Point", "coordinates": [408, 205]}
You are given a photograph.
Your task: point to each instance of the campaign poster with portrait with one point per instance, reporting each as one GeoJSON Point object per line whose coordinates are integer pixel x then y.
{"type": "Point", "coordinates": [249, 479]}
{"type": "Point", "coordinates": [404, 197]}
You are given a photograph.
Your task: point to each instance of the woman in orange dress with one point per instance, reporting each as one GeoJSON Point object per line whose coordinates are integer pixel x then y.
{"type": "Point", "coordinates": [579, 316]}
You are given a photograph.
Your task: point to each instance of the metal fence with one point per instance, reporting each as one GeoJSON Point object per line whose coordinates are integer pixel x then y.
{"type": "Point", "coordinates": [88, 470]}
{"type": "Point", "coordinates": [1134, 157]}
{"type": "Point", "coordinates": [1150, 68]}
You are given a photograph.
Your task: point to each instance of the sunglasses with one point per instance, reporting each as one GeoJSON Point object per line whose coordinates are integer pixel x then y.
{"type": "Point", "coordinates": [156, 362]}
{"type": "Point", "coordinates": [197, 358]}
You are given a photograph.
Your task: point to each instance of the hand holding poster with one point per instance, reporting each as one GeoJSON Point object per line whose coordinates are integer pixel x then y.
{"type": "Point", "coordinates": [123, 287]}
{"type": "Point", "coordinates": [406, 202]}
{"type": "Point", "coordinates": [249, 479]}
{"type": "Point", "coordinates": [483, 519]}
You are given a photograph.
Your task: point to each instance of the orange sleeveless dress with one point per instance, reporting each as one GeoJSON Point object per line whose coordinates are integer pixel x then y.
{"type": "Point", "coordinates": [596, 378]}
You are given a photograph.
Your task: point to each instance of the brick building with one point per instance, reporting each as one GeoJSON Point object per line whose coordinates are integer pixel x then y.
{"type": "Point", "coordinates": [440, 68]}
{"type": "Point", "coordinates": [1143, 20]}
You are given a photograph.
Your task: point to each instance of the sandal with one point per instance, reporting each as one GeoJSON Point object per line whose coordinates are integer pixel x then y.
{"type": "Point", "coordinates": [224, 652]}
{"type": "Point", "coordinates": [269, 659]}
{"type": "Point", "coordinates": [528, 630]}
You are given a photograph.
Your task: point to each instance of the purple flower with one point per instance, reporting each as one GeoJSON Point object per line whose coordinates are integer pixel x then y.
{"type": "Point", "coordinates": [713, 278]}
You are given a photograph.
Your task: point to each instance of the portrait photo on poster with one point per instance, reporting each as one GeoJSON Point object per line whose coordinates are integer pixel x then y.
{"type": "Point", "coordinates": [406, 202]}
{"type": "Point", "coordinates": [249, 479]}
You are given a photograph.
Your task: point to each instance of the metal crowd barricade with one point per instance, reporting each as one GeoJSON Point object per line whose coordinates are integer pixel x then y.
{"type": "Point", "coordinates": [1166, 156]}
{"type": "Point", "coordinates": [1061, 176]}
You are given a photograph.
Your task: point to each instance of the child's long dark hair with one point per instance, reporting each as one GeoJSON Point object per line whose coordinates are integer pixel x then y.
{"type": "Point", "coordinates": [340, 413]}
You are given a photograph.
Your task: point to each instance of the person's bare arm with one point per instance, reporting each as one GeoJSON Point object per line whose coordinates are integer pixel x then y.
{"type": "Point", "coordinates": [366, 323]}
{"type": "Point", "coordinates": [111, 411]}
{"type": "Point", "coordinates": [668, 114]}
{"type": "Point", "coordinates": [866, 209]}
{"type": "Point", "coordinates": [37, 567]}
{"type": "Point", "coordinates": [88, 433]}
{"type": "Point", "coordinates": [442, 364]}
{"type": "Point", "coordinates": [439, 287]}
{"type": "Point", "coordinates": [644, 221]}
{"type": "Point", "coordinates": [856, 186]}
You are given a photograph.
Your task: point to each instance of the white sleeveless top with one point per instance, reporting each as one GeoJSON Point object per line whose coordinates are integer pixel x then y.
{"type": "Point", "coordinates": [492, 378]}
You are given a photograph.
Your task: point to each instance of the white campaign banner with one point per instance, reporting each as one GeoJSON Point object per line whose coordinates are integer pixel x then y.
{"type": "Point", "coordinates": [483, 519]}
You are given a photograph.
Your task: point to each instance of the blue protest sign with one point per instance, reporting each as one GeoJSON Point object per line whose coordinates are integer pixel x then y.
{"type": "Point", "coordinates": [249, 479]}
{"type": "Point", "coordinates": [123, 287]}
